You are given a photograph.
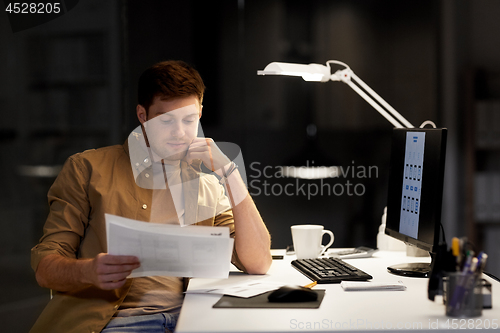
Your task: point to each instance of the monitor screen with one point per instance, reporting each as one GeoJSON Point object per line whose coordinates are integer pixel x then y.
{"type": "Point", "coordinates": [416, 189]}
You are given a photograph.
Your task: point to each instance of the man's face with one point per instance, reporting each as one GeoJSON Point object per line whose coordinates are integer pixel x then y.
{"type": "Point", "coordinates": [171, 126]}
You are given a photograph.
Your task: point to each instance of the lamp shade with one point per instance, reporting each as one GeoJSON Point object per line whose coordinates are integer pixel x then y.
{"type": "Point", "coordinates": [311, 72]}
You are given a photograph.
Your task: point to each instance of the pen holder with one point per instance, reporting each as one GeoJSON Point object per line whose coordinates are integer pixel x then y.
{"type": "Point", "coordinates": [462, 295]}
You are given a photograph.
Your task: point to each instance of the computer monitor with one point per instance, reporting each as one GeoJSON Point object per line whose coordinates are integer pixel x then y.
{"type": "Point", "coordinates": [415, 192]}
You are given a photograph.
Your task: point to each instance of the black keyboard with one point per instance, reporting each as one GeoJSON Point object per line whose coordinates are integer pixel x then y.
{"type": "Point", "coordinates": [329, 270]}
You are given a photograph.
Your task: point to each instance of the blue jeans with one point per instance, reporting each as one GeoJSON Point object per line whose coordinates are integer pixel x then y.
{"type": "Point", "coordinates": [155, 323]}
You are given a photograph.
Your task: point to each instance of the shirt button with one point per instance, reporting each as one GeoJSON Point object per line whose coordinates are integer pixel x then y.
{"type": "Point", "coordinates": [147, 175]}
{"type": "Point", "coordinates": [137, 164]}
{"type": "Point", "coordinates": [146, 160]}
{"type": "Point", "coordinates": [144, 206]}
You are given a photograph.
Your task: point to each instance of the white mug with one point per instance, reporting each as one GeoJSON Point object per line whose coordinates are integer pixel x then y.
{"type": "Point", "coordinates": [307, 240]}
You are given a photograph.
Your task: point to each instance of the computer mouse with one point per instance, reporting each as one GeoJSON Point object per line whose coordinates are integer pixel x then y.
{"type": "Point", "coordinates": [293, 294]}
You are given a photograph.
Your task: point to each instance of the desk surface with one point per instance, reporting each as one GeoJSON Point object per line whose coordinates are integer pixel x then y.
{"type": "Point", "coordinates": [340, 310]}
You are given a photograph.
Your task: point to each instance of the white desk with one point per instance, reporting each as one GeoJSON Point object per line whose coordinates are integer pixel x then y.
{"type": "Point", "coordinates": [340, 311]}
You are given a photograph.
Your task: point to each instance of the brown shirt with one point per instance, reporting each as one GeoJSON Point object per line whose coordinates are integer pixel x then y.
{"type": "Point", "coordinates": [152, 294]}
{"type": "Point", "coordinates": [91, 184]}
{"type": "Point", "coordinates": [155, 294]}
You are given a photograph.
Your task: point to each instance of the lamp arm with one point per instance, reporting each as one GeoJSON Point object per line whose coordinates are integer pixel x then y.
{"type": "Point", "coordinates": [382, 101]}
{"type": "Point", "coordinates": [377, 107]}
{"type": "Point", "coordinates": [347, 76]}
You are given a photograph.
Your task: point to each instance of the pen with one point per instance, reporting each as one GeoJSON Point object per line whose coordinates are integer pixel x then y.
{"type": "Point", "coordinates": [482, 264]}
{"type": "Point", "coordinates": [459, 292]}
{"type": "Point", "coordinates": [462, 243]}
{"type": "Point", "coordinates": [455, 246]}
{"type": "Point", "coordinates": [455, 250]}
{"type": "Point", "coordinates": [468, 262]}
{"type": "Point", "coordinates": [471, 279]}
{"type": "Point", "coordinates": [473, 265]}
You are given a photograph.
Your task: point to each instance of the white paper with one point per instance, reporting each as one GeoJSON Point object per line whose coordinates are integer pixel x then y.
{"type": "Point", "coordinates": [372, 286]}
{"type": "Point", "coordinates": [245, 289]}
{"type": "Point", "coordinates": [169, 250]}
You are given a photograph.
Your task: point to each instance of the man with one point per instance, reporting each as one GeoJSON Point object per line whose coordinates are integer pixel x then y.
{"type": "Point", "coordinates": [93, 293]}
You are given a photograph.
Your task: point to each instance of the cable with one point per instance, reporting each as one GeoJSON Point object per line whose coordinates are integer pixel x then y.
{"type": "Point", "coordinates": [338, 63]}
{"type": "Point", "coordinates": [444, 237]}
{"type": "Point", "coordinates": [492, 276]}
{"type": "Point", "coordinates": [428, 122]}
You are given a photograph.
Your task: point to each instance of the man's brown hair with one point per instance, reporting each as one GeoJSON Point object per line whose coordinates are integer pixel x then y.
{"type": "Point", "coordinates": [169, 79]}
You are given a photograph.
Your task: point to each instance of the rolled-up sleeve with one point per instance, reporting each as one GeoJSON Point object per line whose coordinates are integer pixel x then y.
{"type": "Point", "coordinates": [226, 219]}
{"type": "Point", "coordinates": [68, 215]}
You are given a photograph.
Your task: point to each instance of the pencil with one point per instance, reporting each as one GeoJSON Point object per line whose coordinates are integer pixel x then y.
{"type": "Point", "coordinates": [310, 285]}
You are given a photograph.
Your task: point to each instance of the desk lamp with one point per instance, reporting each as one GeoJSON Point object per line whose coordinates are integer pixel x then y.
{"type": "Point", "coordinates": [322, 73]}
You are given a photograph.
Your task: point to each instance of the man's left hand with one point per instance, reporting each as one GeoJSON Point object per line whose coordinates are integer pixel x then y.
{"type": "Point", "coordinates": [206, 150]}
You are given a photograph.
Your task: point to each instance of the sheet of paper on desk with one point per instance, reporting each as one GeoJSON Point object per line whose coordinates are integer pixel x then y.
{"type": "Point", "coordinates": [169, 250]}
{"type": "Point", "coordinates": [372, 286]}
{"type": "Point", "coordinates": [245, 289]}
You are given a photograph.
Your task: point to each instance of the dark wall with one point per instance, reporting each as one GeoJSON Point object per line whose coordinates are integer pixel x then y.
{"type": "Point", "coordinates": [69, 85]}
{"type": "Point", "coordinates": [390, 45]}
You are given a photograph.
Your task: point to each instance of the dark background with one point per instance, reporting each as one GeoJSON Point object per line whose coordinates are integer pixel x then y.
{"type": "Point", "coordinates": [69, 85]}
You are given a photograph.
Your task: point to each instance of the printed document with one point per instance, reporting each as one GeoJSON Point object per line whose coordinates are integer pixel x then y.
{"type": "Point", "coordinates": [245, 289]}
{"type": "Point", "coordinates": [171, 250]}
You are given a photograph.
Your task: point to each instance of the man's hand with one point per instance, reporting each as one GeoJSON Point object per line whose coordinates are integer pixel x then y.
{"type": "Point", "coordinates": [206, 150]}
{"type": "Point", "coordinates": [110, 272]}
{"type": "Point", "coordinates": [105, 271]}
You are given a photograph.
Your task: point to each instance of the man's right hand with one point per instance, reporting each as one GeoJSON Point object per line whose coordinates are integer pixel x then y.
{"type": "Point", "coordinates": [110, 272]}
{"type": "Point", "coordinates": [105, 271]}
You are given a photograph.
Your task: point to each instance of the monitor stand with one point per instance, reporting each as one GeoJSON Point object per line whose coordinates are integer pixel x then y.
{"type": "Point", "coordinates": [415, 269]}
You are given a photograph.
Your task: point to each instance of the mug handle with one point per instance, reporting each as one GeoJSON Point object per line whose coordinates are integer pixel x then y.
{"type": "Point", "coordinates": [325, 247]}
